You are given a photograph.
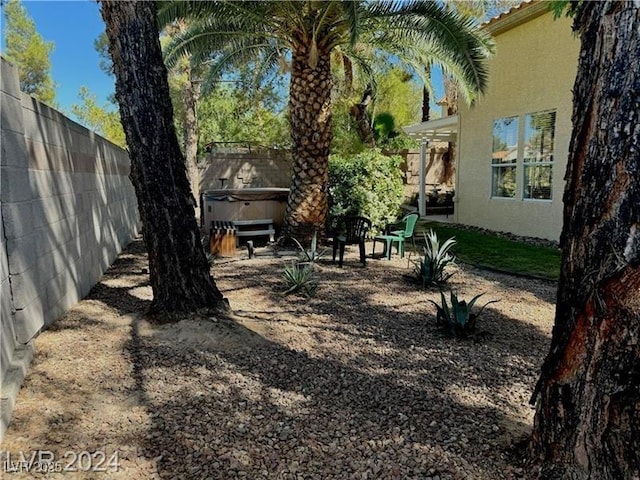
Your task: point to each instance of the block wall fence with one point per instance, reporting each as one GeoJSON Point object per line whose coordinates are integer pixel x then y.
{"type": "Point", "coordinates": [272, 168]}
{"type": "Point", "coordinates": [67, 208]}
{"type": "Point", "coordinates": [251, 169]}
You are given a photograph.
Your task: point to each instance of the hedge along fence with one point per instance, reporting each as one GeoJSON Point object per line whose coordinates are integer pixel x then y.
{"type": "Point", "coordinates": [67, 209]}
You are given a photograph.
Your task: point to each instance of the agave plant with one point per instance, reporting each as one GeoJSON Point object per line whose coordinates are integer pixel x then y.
{"type": "Point", "coordinates": [429, 270]}
{"type": "Point", "coordinates": [300, 278]}
{"type": "Point", "coordinates": [300, 275]}
{"type": "Point", "coordinates": [457, 318]}
{"type": "Point", "coordinates": [312, 255]}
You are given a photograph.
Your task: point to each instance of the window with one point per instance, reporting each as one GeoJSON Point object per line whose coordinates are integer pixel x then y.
{"type": "Point", "coordinates": [539, 137]}
{"type": "Point", "coordinates": [504, 157]}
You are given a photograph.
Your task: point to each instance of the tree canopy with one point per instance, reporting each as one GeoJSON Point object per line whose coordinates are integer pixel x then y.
{"type": "Point", "coordinates": [266, 34]}
{"type": "Point", "coordinates": [234, 33]}
{"type": "Point", "coordinates": [99, 118]}
{"type": "Point", "coordinates": [29, 52]}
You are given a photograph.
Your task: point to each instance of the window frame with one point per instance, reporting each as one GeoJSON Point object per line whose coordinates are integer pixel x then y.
{"type": "Point", "coordinates": [532, 164]}
{"type": "Point", "coordinates": [513, 164]}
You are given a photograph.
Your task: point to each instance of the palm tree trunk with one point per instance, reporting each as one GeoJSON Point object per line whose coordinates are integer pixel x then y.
{"type": "Point", "coordinates": [310, 111]}
{"type": "Point", "coordinates": [587, 422]}
{"type": "Point", "coordinates": [179, 272]}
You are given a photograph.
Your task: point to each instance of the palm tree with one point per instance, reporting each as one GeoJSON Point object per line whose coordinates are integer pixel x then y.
{"type": "Point", "coordinates": [416, 32]}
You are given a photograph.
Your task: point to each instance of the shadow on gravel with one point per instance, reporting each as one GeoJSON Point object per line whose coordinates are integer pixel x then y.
{"type": "Point", "coordinates": [268, 408]}
{"type": "Point", "coordinates": [401, 400]}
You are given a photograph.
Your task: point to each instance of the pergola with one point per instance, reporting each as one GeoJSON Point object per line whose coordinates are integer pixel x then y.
{"type": "Point", "coordinates": [443, 129]}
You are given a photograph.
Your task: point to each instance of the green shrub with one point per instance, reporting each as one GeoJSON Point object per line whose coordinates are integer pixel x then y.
{"type": "Point", "coordinates": [457, 319]}
{"type": "Point", "coordinates": [368, 184]}
{"type": "Point", "coordinates": [429, 270]}
{"type": "Point", "coordinates": [384, 127]}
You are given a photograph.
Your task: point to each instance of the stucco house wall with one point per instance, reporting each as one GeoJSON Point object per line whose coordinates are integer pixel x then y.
{"type": "Point", "coordinates": [533, 70]}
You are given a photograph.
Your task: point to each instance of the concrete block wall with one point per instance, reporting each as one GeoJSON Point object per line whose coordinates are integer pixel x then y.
{"type": "Point", "coordinates": [255, 169]}
{"type": "Point", "coordinates": [272, 168]}
{"type": "Point", "coordinates": [67, 209]}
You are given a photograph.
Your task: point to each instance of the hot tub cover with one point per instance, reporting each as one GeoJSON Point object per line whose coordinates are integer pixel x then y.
{"type": "Point", "coordinates": [246, 194]}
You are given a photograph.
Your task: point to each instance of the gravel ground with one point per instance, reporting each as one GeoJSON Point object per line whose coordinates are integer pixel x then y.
{"type": "Point", "coordinates": [355, 383]}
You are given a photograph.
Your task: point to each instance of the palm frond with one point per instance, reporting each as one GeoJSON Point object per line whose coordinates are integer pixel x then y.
{"type": "Point", "coordinates": [417, 32]}
{"type": "Point", "coordinates": [210, 35]}
{"type": "Point", "coordinates": [235, 55]}
{"type": "Point", "coordinates": [363, 63]}
{"type": "Point", "coordinates": [269, 63]}
{"type": "Point", "coordinates": [251, 11]}
{"type": "Point", "coordinates": [420, 30]}
{"type": "Point", "coordinates": [351, 13]}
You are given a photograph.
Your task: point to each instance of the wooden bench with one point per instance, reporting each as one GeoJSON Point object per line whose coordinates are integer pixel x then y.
{"type": "Point", "coordinates": [254, 228]}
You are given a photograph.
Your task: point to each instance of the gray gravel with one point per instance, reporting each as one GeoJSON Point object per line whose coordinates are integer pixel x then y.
{"type": "Point", "coordinates": [355, 383]}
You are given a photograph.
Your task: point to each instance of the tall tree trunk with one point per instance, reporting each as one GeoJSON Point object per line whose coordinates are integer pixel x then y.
{"type": "Point", "coordinates": [426, 98]}
{"type": "Point", "coordinates": [587, 422]}
{"type": "Point", "coordinates": [361, 117]}
{"type": "Point", "coordinates": [310, 110]}
{"type": "Point", "coordinates": [179, 272]}
{"type": "Point", "coordinates": [190, 100]}
{"type": "Point", "coordinates": [348, 75]}
{"type": "Point", "coordinates": [451, 94]}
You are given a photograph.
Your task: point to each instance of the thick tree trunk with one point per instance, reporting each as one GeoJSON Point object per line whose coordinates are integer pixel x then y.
{"type": "Point", "coordinates": [179, 272]}
{"type": "Point", "coordinates": [587, 422]}
{"type": "Point", "coordinates": [190, 133]}
{"type": "Point", "coordinates": [310, 110]}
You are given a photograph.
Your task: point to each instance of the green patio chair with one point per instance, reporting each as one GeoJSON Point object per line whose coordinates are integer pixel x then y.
{"type": "Point", "coordinates": [398, 234]}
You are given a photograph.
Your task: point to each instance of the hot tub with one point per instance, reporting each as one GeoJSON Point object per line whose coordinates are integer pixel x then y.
{"type": "Point", "coordinates": [244, 204]}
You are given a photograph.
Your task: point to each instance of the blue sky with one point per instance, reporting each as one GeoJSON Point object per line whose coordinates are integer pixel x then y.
{"type": "Point", "coordinates": [72, 26]}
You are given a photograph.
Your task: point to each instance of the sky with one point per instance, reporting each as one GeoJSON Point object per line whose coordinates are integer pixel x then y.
{"type": "Point", "coordinates": [72, 26]}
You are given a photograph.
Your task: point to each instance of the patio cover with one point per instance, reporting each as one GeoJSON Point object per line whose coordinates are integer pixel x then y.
{"type": "Point", "coordinates": [443, 129]}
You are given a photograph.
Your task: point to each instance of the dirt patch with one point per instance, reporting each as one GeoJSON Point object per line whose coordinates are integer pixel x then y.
{"type": "Point", "coordinates": [356, 382]}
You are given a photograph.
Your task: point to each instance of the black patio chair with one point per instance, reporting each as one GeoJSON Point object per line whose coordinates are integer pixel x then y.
{"type": "Point", "coordinates": [350, 230]}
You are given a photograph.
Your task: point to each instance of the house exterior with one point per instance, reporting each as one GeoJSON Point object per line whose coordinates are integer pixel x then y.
{"type": "Point", "coordinates": [512, 145]}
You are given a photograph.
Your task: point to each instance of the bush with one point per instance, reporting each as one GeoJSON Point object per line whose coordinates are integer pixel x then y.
{"type": "Point", "coordinates": [429, 270]}
{"type": "Point", "coordinates": [368, 184]}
